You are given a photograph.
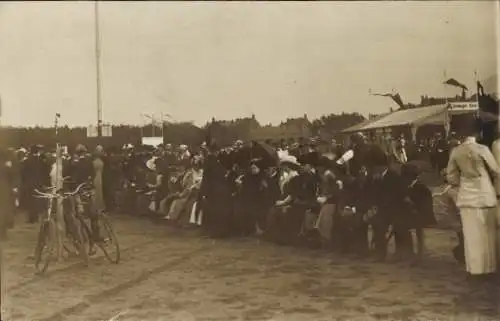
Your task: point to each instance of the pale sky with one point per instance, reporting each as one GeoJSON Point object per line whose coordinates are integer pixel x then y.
{"type": "Point", "coordinates": [226, 60]}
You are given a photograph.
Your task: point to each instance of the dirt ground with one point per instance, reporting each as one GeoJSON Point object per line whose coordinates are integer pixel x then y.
{"type": "Point", "coordinates": [169, 274]}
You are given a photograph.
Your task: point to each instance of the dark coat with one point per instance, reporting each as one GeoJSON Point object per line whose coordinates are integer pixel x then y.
{"type": "Point", "coordinates": [421, 197]}
{"type": "Point", "coordinates": [35, 173]}
{"type": "Point", "coordinates": [7, 183]}
{"type": "Point", "coordinates": [387, 194]}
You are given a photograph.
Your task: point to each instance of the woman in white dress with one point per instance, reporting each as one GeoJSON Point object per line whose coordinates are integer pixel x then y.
{"type": "Point", "coordinates": [470, 167]}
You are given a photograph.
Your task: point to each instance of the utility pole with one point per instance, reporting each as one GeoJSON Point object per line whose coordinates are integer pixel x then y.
{"type": "Point", "coordinates": [98, 69]}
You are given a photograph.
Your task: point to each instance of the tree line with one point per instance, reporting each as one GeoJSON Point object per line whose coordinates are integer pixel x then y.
{"type": "Point", "coordinates": [224, 132]}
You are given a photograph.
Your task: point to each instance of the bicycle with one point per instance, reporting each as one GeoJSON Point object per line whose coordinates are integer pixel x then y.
{"type": "Point", "coordinates": [47, 233]}
{"type": "Point", "coordinates": [103, 223]}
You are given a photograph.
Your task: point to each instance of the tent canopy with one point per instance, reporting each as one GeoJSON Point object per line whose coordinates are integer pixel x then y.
{"type": "Point", "coordinates": [415, 116]}
{"type": "Point", "coordinates": [359, 126]}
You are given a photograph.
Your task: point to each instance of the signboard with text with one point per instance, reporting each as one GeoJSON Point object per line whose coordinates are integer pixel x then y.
{"type": "Point", "coordinates": [152, 141]}
{"type": "Point", "coordinates": [92, 131]}
{"type": "Point", "coordinates": [463, 106]}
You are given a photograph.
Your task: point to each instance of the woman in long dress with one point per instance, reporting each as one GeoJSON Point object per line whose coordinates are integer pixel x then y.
{"type": "Point", "coordinates": [98, 204]}
{"type": "Point", "coordinates": [98, 162]}
{"type": "Point", "coordinates": [190, 185]}
{"type": "Point", "coordinates": [469, 167]}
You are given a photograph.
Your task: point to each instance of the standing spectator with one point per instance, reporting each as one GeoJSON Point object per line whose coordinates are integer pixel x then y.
{"type": "Point", "coordinates": [441, 152]}
{"type": "Point", "coordinates": [496, 153]}
{"type": "Point", "coordinates": [35, 175]}
{"type": "Point", "coordinates": [14, 167]}
{"type": "Point", "coordinates": [98, 201]}
{"type": "Point", "coordinates": [468, 169]}
{"type": "Point", "coordinates": [6, 193]}
{"type": "Point", "coordinates": [399, 151]}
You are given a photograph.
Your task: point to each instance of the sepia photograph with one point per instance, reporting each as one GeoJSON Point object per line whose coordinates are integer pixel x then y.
{"type": "Point", "coordinates": [249, 160]}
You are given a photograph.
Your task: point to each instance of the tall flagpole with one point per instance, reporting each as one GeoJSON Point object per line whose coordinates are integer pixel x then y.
{"type": "Point", "coordinates": [98, 68]}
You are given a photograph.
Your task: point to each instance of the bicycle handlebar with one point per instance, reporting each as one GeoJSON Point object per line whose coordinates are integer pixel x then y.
{"type": "Point", "coordinates": [64, 180]}
{"type": "Point", "coordinates": [57, 194]}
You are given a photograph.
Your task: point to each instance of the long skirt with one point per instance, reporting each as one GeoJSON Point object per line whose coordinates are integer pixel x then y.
{"type": "Point", "coordinates": [324, 224]}
{"type": "Point", "coordinates": [176, 208]}
{"type": "Point", "coordinates": [480, 228]}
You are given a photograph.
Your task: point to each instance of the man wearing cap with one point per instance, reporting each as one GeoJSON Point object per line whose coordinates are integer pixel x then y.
{"type": "Point", "coordinates": [80, 170]}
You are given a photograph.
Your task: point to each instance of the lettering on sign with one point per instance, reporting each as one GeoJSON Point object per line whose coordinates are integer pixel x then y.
{"type": "Point", "coordinates": [463, 106]}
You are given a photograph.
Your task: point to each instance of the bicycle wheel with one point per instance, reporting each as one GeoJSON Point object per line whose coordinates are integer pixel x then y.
{"type": "Point", "coordinates": [84, 239]}
{"type": "Point", "coordinates": [88, 236]}
{"type": "Point", "coordinates": [79, 238]}
{"type": "Point", "coordinates": [44, 250]}
{"type": "Point", "coordinates": [109, 243]}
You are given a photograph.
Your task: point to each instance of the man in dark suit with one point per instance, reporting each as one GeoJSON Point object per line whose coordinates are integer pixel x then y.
{"type": "Point", "coordinates": [386, 193]}
{"type": "Point", "coordinates": [441, 153]}
{"type": "Point", "coordinates": [421, 213]}
{"type": "Point", "coordinates": [7, 183]}
{"type": "Point", "coordinates": [35, 176]}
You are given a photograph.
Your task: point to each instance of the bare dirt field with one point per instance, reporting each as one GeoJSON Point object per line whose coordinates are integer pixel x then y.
{"type": "Point", "coordinates": [168, 274]}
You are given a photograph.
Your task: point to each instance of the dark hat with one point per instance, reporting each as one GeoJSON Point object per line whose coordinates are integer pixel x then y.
{"type": "Point", "coordinates": [410, 171]}
{"type": "Point", "coordinates": [35, 149]}
{"type": "Point", "coordinates": [257, 162]}
{"type": "Point", "coordinates": [311, 158]}
{"type": "Point", "coordinates": [326, 162]}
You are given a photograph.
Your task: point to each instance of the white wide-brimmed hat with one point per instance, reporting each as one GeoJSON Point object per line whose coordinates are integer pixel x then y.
{"type": "Point", "coordinates": [151, 163]}
{"type": "Point", "coordinates": [346, 157]}
{"type": "Point", "coordinates": [288, 160]}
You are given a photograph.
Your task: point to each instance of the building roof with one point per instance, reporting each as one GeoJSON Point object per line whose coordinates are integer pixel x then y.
{"type": "Point", "coordinates": [407, 117]}
{"type": "Point", "coordinates": [357, 127]}
{"type": "Point", "coordinates": [404, 117]}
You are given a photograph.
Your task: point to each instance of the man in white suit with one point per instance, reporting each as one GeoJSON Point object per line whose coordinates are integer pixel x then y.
{"type": "Point", "coordinates": [469, 167]}
{"type": "Point", "coordinates": [495, 148]}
